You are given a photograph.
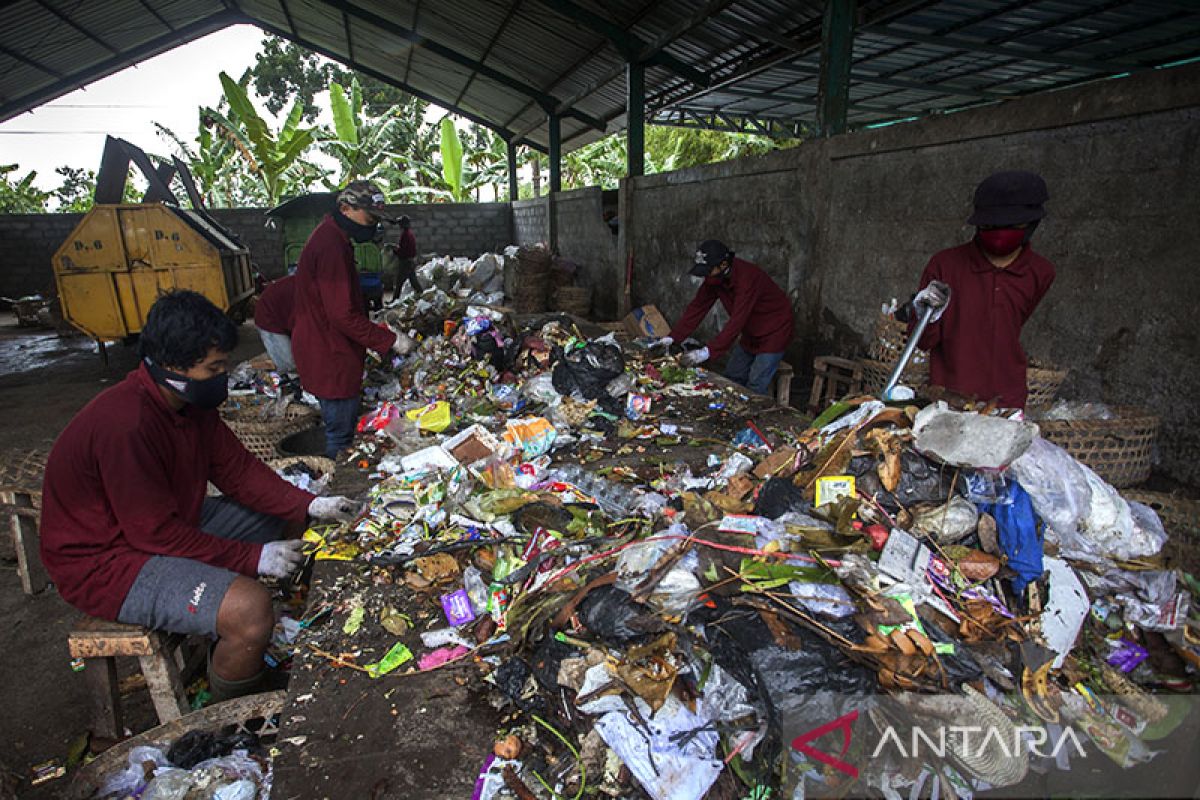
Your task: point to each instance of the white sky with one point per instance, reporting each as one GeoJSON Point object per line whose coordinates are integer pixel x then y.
{"type": "Point", "coordinates": [167, 89]}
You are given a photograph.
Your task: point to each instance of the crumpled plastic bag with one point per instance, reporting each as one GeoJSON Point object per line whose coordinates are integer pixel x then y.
{"type": "Point", "coordinates": [128, 780]}
{"type": "Point", "coordinates": [540, 389]}
{"type": "Point", "coordinates": [970, 440]}
{"type": "Point", "coordinates": [1089, 519]}
{"type": "Point", "coordinates": [674, 593]}
{"type": "Point", "coordinates": [947, 523]}
{"type": "Point", "coordinates": [434, 417]}
{"type": "Point", "coordinates": [534, 435]}
{"type": "Point", "coordinates": [589, 370]}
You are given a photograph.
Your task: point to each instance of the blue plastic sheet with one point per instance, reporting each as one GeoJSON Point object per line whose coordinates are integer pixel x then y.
{"type": "Point", "coordinates": [1020, 534]}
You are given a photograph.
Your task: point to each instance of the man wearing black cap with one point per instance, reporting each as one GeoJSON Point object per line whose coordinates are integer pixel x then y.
{"type": "Point", "coordinates": [759, 312]}
{"type": "Point", "coordinates": [982, 292]}
{"type": "Point", "coordinates": [332, 333]}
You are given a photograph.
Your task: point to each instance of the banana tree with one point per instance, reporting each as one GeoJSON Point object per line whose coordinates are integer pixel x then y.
{"type": "Point", "coordinates": [269, 156]}
{"type": "Point", "coordinates": [452, 161]}
{"type": "Point", "coordinates": [360, 143]}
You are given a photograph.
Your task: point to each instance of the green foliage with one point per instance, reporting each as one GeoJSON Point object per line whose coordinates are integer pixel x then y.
{"type": "Point", "coordinates": [268, 155]}
{"type": "Point", "coordinates": [77, 189]}
{"type": "Point", "coordinates": [20, 196]}
{"type": "Point", "coordinates": [452, 160]}
{"type": "Point", "coordinates": [360, 142]}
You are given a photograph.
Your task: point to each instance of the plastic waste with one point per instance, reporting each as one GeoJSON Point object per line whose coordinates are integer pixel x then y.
{"type": "Point", "coordinates": [1076, 410]}
{"type": "Point", "coordinates": [947, 523]}
{"type": "Point", "coordinates": [613, 498]}
{"type": "Point", "coordinates": [477, 590]}
{"type": "Point", "coordinates": [540, 389]}
{"type": "Point", "coordinates": [534, 435]}
{"type": "Point", "coordinates": [128, 780]}
{"type": "Point", "coordinates": [779, 496]}
{"type": "Point", "coordinates": [970, 440]}
{"type": "Point", "coordinates": [676, 590]}
{"type": "Point", "coordinates": [1089, 519]}
{"type": "Point", "coordinates": [242, 789]}
{"type": "Point", "coordinates": [1017, 527]}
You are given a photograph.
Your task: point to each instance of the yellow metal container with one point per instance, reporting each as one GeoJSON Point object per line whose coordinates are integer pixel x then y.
{"type": "Point", "coordinates": [120, 258]}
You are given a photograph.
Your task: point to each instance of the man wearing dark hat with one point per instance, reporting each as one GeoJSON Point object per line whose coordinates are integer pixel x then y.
{"type": "Point", "coordinates": [759, 313]}
{"type": "Point", "coordinates": [331, 332]}
{"type": "Point", "coordinates": [982, 292]}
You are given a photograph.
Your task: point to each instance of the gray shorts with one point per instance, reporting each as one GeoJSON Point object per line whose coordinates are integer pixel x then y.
{"type": "Point", "coordinates": [182, 595]}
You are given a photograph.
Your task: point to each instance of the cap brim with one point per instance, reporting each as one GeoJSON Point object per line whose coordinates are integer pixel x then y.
{"type": "Point", "coordinates": [1005, 215]}
{"type": "Point", "coordinates": [700, 270]}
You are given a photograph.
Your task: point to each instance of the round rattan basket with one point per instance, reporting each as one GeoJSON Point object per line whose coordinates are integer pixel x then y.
{"type": "Point", "coordinates": [260, 408]}
{"type": "Point", "coordinates": [257, 714]}
{"type": "Point", "coordinates": [321, 465]}
{"type": "Point", "coordinates": [261, 438]}
{"type": "Point", "coordinates": [1043, 384]}
{"type": "Point", "coordinates": [1181, 519]}
{"type": "Point", "coordinates": [875, 374]}
{"type": "Point", "coordinates": [1119, 450]}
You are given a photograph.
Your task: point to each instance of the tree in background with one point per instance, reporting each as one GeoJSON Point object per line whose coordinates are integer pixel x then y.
{"type": "Point", "coordinates": [359, 142]}
{"type": "Point", "coordinates": [268, 155]}
{"type": "Point", "coordinates": [77, 191]}
{"type": "Point", "coordinates": [20, 196]}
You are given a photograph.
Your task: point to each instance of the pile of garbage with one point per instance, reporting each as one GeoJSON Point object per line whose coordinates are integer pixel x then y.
{"type": "Point", "coordinates": [225, 765]}
{"type": "Point", "coordinates": [664, 597]}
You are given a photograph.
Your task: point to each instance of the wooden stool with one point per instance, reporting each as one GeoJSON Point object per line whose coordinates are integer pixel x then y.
{"type": "Point", "coordinates": [783, 384]}
{"type": "Point", "coordinates": [98, 642]}
{"type": "Point", "coordinates": [833, 379]}
{"type": "Point", "coordinates": [21, 500]}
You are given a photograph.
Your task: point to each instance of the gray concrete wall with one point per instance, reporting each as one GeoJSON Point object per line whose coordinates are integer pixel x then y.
{"type": "Point", "coordinates": [846, 223]}
{"type": "Point", "coordinates": [530, 221]}
{"type": "Point", "coordinates": [585, 238]}
{"type": "Point", "coordinates": [28, 241]}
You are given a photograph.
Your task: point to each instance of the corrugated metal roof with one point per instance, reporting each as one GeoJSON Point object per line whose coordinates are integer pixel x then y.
{"type": "Point", "coordinates": [734, 64]}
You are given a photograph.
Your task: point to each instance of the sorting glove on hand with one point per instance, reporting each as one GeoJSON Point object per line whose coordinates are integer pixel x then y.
{"type": "Point", "coordinates": [936, 296]}
{"type": "Point", "coordinates": [339, 509]}
{"type": "Point", "coordinates": [280, 559]}
{"type": "Point", "coordinates": [694, 357]}
{"type": "Point", "coordinates": [403, 344]}
{"type": "Point", "coordinates": [663, 342]}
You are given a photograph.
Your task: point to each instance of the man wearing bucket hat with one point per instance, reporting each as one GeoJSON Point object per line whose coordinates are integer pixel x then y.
{"type": "Point", "coordinates": [982, 292]}
{"type": "Point", "coordinates": [332, 333]}
{"type": "Point", "coordinates": [760, 317]}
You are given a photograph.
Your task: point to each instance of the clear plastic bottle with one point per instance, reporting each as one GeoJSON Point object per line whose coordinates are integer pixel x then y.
{"type": "Point", "coordinates": [477, 590]}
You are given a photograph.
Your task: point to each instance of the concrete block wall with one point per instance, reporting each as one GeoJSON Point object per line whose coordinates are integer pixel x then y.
{"type": "Point", "coordinates": [585, 238]}
{"type": "Point", "coordinates": [27, 241]}
{"type": "Point", "coordinates": [846, 223]}
{"type": "Point", "coordinates": [531, 221]}
{"type": "Point", "coordinates": [27, 245]}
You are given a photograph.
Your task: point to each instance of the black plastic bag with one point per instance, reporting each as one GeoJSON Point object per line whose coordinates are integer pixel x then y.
{"type": "Point", "coordinates": [780, 496]}
{"type": "Point", "coordinates": [588, 370]}
{"type": "Point", "coordinates": [612, 614]}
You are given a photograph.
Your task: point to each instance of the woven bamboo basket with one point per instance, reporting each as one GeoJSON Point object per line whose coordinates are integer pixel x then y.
{"type": "Point", "coordinates": [875, 374]}
{"type": "Point", "coordinates": [888, 340]}
{"type": "Point", "coordinates": [257, 408]}
{"type": "Point", "coordinates": [1181, 519]}
{"type": "Point", "coordinates": [319, 464]}
{"type": "Point", "coordinates": [1118, 450]}
{"type": "Point", "coordinates": [1043, 383]}
{"type": "Point", "coordinates": [261, 438]}
{"type": "Point", "coordinates": [575, 300]}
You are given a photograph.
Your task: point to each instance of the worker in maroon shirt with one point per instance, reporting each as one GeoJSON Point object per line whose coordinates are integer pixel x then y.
{"type": "Point", "coordinates": [127, 532]}
{"type": "Point", "coordinates": [331, 333]}
{"type": "Point", "coordinates": [982, 293]}
{"type": "Point", "coordinates": [274, 313]}
{"type": "Point", "coordinates": [404, 254]}
{"type": "Point", "coordinates": [760, 317]}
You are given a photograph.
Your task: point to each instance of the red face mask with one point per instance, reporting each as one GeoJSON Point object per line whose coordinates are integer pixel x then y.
{"type": "Point", "coordinates": [1001, 241]}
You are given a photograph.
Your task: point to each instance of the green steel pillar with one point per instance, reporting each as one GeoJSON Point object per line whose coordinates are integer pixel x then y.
{"type": "Point", "coordinates": [635, 119]}
{"type": "Point", "coordinates": [837, 48]}
{"type": "Point", "coordinates": [513, 182]}
{"type": "Point", "coordinates": [555, 152]}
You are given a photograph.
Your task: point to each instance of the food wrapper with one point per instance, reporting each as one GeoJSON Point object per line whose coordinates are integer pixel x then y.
{"type": "Point", "coordinates": [433, 418]}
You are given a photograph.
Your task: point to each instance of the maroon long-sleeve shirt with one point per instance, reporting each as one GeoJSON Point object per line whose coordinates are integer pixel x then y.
{"type": "Point", "coordinates": [331, 332]}
{"type": "Point", "coordinates": [758, 309]}
{"type": "Point", "coordinates": [125, 481]}
{"type": "Point", "coordinates": [407, 246]}
{"type": "Point", "coordinates": [275, 309]}
{"type": "Point", "coordinates": [975, 348]}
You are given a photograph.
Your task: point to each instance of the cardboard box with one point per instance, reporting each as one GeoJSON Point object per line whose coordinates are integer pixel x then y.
{"type": "Point", "coordinates": [646, 321]}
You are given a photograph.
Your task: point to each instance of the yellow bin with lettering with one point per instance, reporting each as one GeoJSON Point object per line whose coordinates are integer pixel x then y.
{"type": "Point", "coordinates": [120, 258]}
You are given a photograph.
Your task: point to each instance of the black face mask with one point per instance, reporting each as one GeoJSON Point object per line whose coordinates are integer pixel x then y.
{"type": "Point", "coordinates": [357, 232]}
{"type": "Point", "coordinates": [207, 393]}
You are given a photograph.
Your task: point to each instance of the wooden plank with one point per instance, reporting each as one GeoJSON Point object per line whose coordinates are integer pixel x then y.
{"type": "Point", "coordinates": [24, 528]}
{"type": "Point", "coordinates": [104, 697]}
{"type": "Point", "coordinates": [165, 685]}
{"type": "Point", "coordinates": [100, 638]}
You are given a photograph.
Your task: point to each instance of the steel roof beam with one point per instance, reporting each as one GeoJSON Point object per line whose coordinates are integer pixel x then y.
{"type": "Point", "coordinates": [411, 49]}
{"type": "Point", "coordinates": [349, 39]}
{"type": "Point", "coordinates": [512, 9]}
{"type": "Point", "coordinates": [546, 101]}
{"type": "Point", "coordinates": [72, 23]}
{"type": "Point", "coordinates": [13, 54]}
{"type": "Point", "coordinates": [150, 10]}
{"type": "Point", "coordinates": [628, 45]}
{"type": "Point", "coordinates": [504, 133]}
{"type": "Point", "coordinates": [867, 78]}
{"type": "Point", "coordinates": [970, 46]}
{"type": "Point", "coordinates": [119, 61]}
{"type": "Point", "coordinates": [287, 14]}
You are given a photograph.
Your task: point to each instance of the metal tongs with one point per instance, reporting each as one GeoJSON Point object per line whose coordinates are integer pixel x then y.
{"type": "Point", "coordinates": [906, 356]}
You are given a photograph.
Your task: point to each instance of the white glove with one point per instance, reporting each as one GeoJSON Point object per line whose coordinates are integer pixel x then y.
{"type": "Point", "coordinates": [664, 342]}
{"type": "Point", "coordinates": [403, 344]}
{"type": "Point", "coordinates": [280, 559]}
{"type": "Point", "coordinates": [694, 357]}
{"type": "Point", "coordinates": [339, 509]}
{"type": "Point", "coordinates": [936, 296]}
